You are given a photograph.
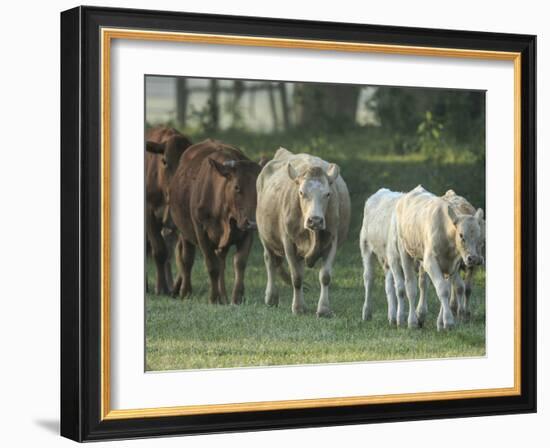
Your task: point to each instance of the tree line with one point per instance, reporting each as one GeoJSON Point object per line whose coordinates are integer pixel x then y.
{"type": "Point", "coordinates": [413, 119]}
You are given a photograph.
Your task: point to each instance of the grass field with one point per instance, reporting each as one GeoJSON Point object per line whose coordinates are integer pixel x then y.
{"type": "Point", "coordinates": [191, 334]}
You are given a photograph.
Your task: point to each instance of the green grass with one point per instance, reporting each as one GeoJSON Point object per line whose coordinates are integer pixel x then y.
{"type": "Point", "coordinates": [192, 334]}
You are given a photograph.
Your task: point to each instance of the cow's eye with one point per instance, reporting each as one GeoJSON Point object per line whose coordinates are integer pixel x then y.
{"type": "Point", "coordinates": [301, 192]}
{"type": "Point", "coordinates": [237, 188]}
{"type": "Point", "coordinates": [164, 161]}
{"type": "Point", "coordinates": [328, 194]}
{"type": "Point", "coordinates": [462, 236]}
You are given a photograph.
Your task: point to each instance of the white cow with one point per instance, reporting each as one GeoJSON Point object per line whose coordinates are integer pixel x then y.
{"type": "Point", "coordinates": [303, 215]}
{"type": "Point", "coordinates": [379, 239]}
{"type": "Point", "coordinates": [431, 232]}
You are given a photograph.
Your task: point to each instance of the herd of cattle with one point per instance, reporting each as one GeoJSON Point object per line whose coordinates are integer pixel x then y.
{"type": "Point", "coordinates": [211, 196]}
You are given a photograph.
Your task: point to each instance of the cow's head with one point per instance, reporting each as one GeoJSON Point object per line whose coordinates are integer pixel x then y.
{"type": "Point", "coordinates": [239, 190]}
{"type": "Point", "coordinates": [314, 190]}
{"type": "Point", "coordinates": [469, 236]}
{"type": "Point", "coordinates": [170, 151]}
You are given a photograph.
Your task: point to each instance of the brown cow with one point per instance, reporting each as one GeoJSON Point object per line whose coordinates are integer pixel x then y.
{"type": "Point", "coordinates": [164, 148]}
{"type": "Point", "coordinates": [213, 204]}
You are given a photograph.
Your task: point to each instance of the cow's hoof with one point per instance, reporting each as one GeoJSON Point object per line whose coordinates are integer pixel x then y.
{"type": "Point", "coordinates": [446, 327]}
{"type": "Point", "coordinates": [272, 299]}
{"type": "Point", "coordinates": [402, 323]}
{"type": "Point", "coordinates": [392, 322]}
{"type": "Point", "coordinates": [367, 316]}
{"type": "Point", "coordinates": [185, 294]}
{"type": "Point", "coordinates": [325, 312]}
{"type": "Point", "coordinates": [413, 324]}
{"type": "Point", "coordinates": [297, 310]}
{"type": "Point", "coordinates": [421, 318]}
{"type": "Point", "coordinates": [237, 299]}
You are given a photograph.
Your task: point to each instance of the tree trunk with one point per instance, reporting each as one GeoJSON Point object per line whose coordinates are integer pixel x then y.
{"type": "Point", "coordinates": [214, 119]}
{"type": "Point", "coordinates": [284, 105]}
{"type": "Point", "coordinates": [238, 91]}
{"type": "Point", "coordinates": [182, 96]}
{"type": "Point", "coordinates": [272, 106]}
{"type": "Point", "coordinates": [321, 105]}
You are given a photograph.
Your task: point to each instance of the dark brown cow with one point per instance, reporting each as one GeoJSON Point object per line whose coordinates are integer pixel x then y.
{"type": "Point", "coordinates": [213, 204]}
{"type": "Point", "coordinates": [164, 148]}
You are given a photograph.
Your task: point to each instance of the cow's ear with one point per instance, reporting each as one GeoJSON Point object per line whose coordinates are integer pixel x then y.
{"type": "Point", "coordinates": [332, 172]}
{"type": "Point", "coordinates": [450, 193]}
{"type": "Point", "coordinates": [224, 170]}
{"type": "Point", "coordinates": [291, 172]}
{"type": "Point", "coordinates": [452, 214]}
{"type": "Point", "coordinates": [479, 214]}
{"type": "Point", "coordinates": [154, 147]}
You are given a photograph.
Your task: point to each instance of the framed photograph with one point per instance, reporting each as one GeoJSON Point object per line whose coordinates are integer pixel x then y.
{"type": "Point", "coordinates": [277, 224]}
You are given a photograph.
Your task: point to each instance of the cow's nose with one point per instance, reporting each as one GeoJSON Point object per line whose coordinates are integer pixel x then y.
{"type": "Point", "coordinates": [315, 222]}
{"type": "Point", "coordinates": [251, 225]}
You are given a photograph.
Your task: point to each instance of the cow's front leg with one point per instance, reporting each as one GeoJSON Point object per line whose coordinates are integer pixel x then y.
{"type": "Point", "coordinates": [158, 251]}
{"type": "Point", "coordinates": [325, 277]}
{"type": "Point", "coordinates": [221, 276]}
{"type": "Point", "coordinates": [212, 264]}
{"type": "Point", "coordinates": [239, 265]}
{"type": "Point", "coordinates": [296, 266]}
{"type": "Point", "coordinates": [443, 289]}
{"type": "Point", "coordinates": [422, 308]}
{"type": "Point", "coordinates": [468, 280]}
{"type": "Point", "coordinates": [272, 263]}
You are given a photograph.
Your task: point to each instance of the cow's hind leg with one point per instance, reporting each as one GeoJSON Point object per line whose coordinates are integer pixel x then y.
{"type": "Point", "coordinates": [272, 263]}
{"type": "Point", "coordinates": [391, 298]}
{"type": "Point", "coordinates": [325, 277]}
{"type": "Point", "coordinates": [409, 269]}
{"type": "Point", "coordinates": [399, 283]}
{"type": "Point", "coordinates": [422, 308]}
{"type": "Point", "coordinates": [368, 273]}
{"type": "Point", "coordinates": [239, 265]}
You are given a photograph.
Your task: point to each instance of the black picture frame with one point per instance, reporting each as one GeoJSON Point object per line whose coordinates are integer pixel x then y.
{"type": "Point", "coordinates": [81, 224]}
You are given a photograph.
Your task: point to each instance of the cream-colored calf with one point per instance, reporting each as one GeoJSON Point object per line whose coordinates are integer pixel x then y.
{"type": "Point", "coordinates": [431, 232]}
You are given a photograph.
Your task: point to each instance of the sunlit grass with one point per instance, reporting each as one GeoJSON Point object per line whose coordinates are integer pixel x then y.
{"type": "Point", "coordinates": [192, 334]}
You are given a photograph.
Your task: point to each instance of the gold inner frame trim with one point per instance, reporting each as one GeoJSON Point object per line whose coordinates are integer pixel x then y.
{"type": "Point", "coordinates": [107, 35]}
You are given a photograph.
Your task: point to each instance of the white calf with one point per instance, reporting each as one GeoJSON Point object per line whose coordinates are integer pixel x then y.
{"type": "Point", "coordinates": [378, 238]}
